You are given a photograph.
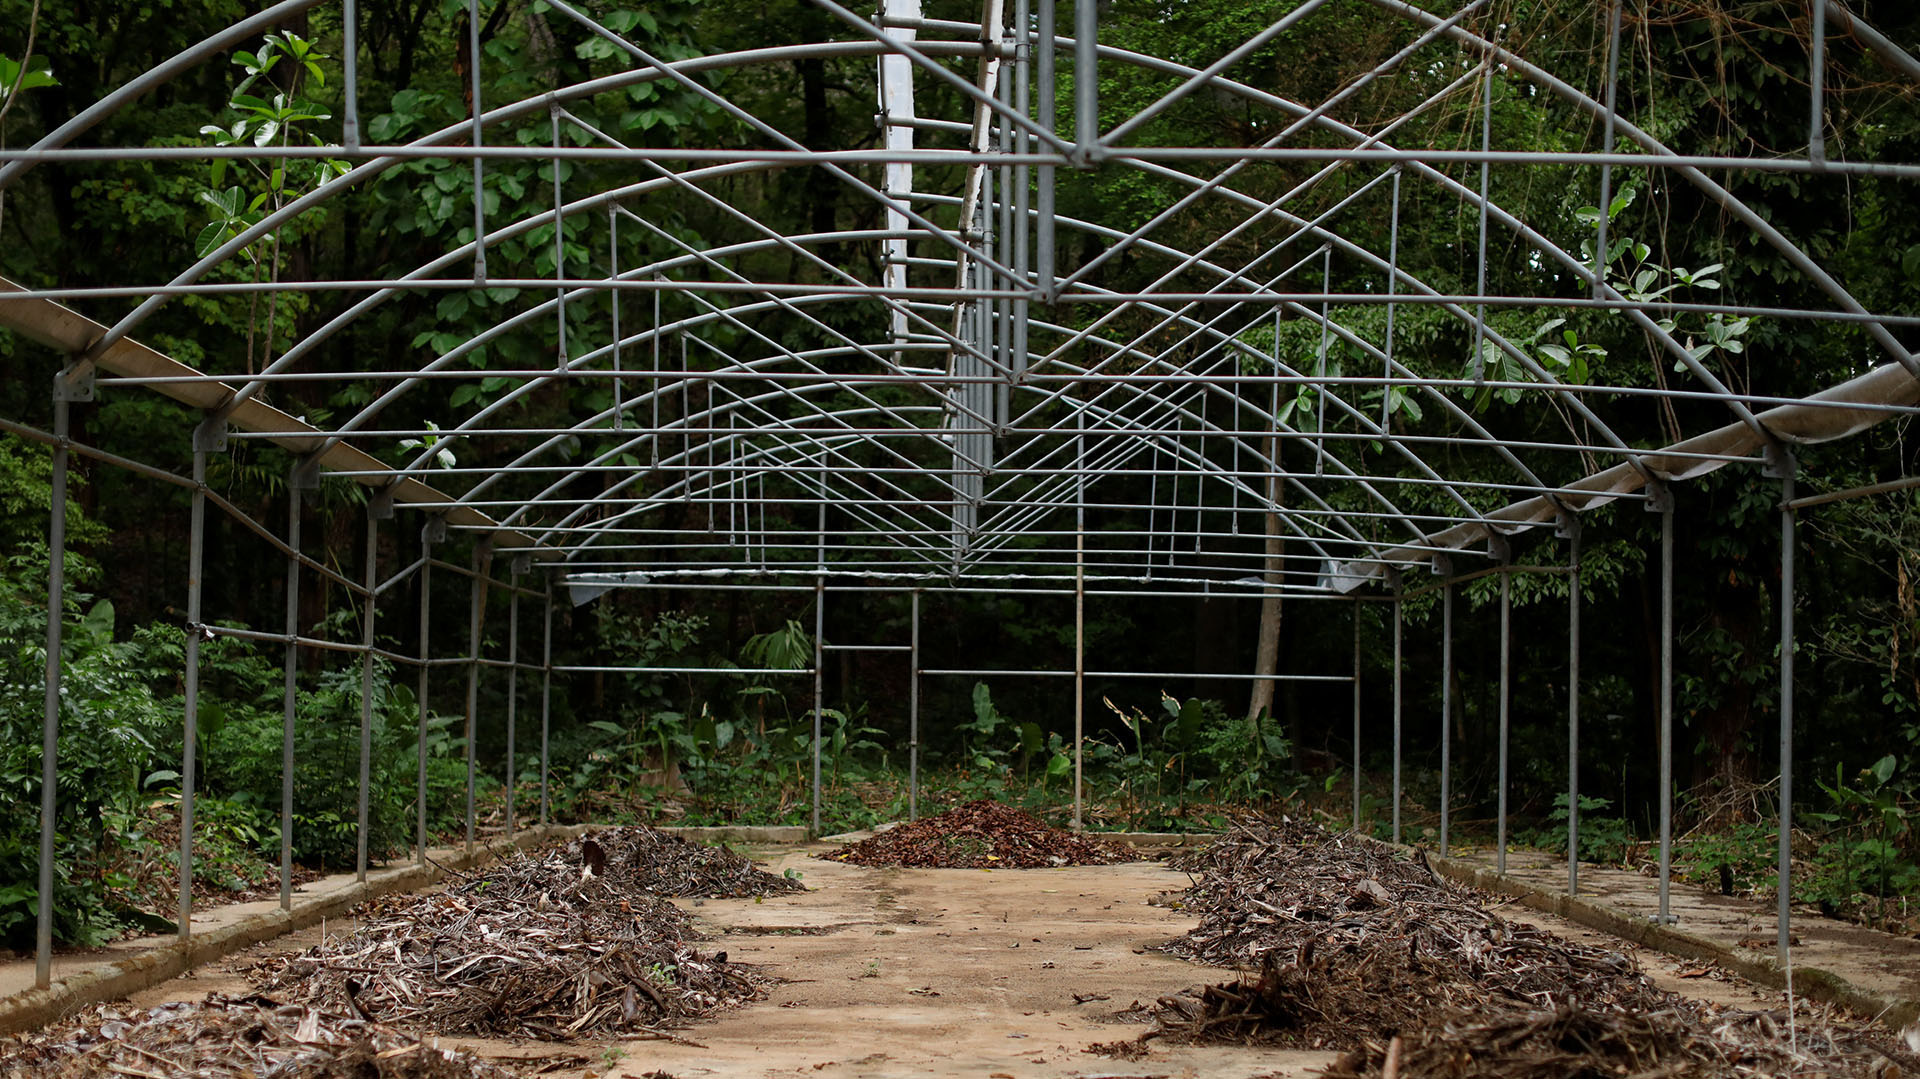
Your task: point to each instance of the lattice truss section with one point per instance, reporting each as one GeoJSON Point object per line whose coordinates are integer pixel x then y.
{"type": "Point", "coordinates": [1056, 330]}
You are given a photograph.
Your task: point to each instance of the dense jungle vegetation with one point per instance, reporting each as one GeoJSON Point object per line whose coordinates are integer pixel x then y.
{"type": "Point", "coordinates": [1707, 76]}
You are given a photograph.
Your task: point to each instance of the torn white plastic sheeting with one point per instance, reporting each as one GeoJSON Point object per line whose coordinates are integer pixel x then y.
{"type": "Point", "coordinates": [1822, 417]}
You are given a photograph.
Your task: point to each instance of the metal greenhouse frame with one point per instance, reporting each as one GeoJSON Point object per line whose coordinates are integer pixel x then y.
{"type": "Point", "coordinates": [965, 448]}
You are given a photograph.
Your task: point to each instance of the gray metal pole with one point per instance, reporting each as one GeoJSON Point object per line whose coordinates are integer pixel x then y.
{"type": "Point", "coordinates": [1079, 662]}
{"type": "Point", "coordinates": [366, 695]}
{"type": "Point", "coordinates": [1356, 716]}
{"type": "Point", "coordinates": [1666, 707]}
{"type": "Point", "coordinates": [190, 732]}
{"type": "Point", "coordinates": [819, 690]}
{"type": "Point", "coordinates": [513, 685]}
{"type": "Point", "coordinates": [1446, 711]}
{"type": "Point", "coordinates": [1816, 85]}
{"type": "Point", "coordinates": [479, 599]}
{"type": "Point", "coordinates": [50, 728]}
{"type": "Point", "coordinates": [1573, 718]}
{"type": "Point", "coordinates": [546, 699]}
{"type": "Point", "coordinates": [1785, 899]}
{"type": "Point", "coordinates": [289, 704]}
{"type": "Point", "coordinates": [1086, 82]}
{"type": "Point", "coordinates": [1506, 693]}
{"type": "Point", "coordinates": [1044, 84]}
{"type": "Point", "coordinates": [913, 713]}
{"type": "Point", "coordinates": [426, 655]}
{"type": "Point", "coordinates": [1398, 674]}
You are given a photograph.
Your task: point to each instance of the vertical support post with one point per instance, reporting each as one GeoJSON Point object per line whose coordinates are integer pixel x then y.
{"type": "Point", "coordinates": [475, 607]}
{"type": "Point", "coordinates": [428, 537]}
{"type": "Point", "coordinates": [513, 681]}
{"type": "Point", "coordinates": [819, 629]}
{"type": "Point", "coordinates": [1573, 710]}
{"type": "Point", "coordinates": [1446, 710]}
{"type": "Point", "coordinates": [1786, 467]}
{"type": "Point", "coordinates": [476, 134]}
{"type": "Point", "coordinates": [1079, 640]}
{"type": "Point", "coordinates": [205, 436]}
{"type": "Point", "coordinates": [1666, 706]}
{"type": "Point", "coordinates": [1816, 85]}
{"type": "Point", "coordinates": [1506, 701]}
{"type": "Point", "coordinates": [297, 481]}
{"type": "Point", "coordinates": [1606, 171]}
{"type": "Point", "coordinates": [1086, 82]}
{"type": "Point", "coordinates": [1486, 146]}
{"type": "Point", "coordinates": [1356, 715]}
{"type": "Point", "coordinates": [819, 685]}
{"type": "Point", "coordinates": [1044, 84]}
{"type": "Point", "coordinates": [913, 713]}
{"type": "Point", "coordinates": [372, 578]}
{"type": "Point", "coordinates": [50, 724]}
{"type": "Point", "coordinates": [546, 699]}
{"type": "Point", "coordinates": [350, 56]}
{"type": "Point", "coordinates": [1398, 676]}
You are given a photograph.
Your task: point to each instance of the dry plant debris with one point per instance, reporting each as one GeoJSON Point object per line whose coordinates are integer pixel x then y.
{"type": "Point", "coordinates": [642, 857]}
{"type": "Point", "coordinates": [553, 945]}
{"type": "Point", "coordinates": [981, 834]}
{"type": "Point", "coordinates": [1362, 949]}
{"type": "Point", "coordinates": [231, 1038]}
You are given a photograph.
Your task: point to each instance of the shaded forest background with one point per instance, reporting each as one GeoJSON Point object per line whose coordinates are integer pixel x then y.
{"type": "Point", "coordinates": [1714, 77]}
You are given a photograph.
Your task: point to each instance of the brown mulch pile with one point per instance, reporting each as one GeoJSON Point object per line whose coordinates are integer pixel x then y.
{"type": "Point", "coordinates": [551, 945]}
{"type": "Point", "coordinates": [230, 1038]}
{"type": "Point", "coordinates": [642, 857]}
{"type": "Point", "coordinates": [1359, 948]}
{"type": "Point", "coordinates": [981, 834]}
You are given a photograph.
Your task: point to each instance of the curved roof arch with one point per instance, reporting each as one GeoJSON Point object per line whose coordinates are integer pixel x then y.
{"type": "Point", "coordinates": [952, 395]}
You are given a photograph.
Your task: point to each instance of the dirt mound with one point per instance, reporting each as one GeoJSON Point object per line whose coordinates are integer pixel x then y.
{"type": "Point", "coordinates": [550, 945]}
{"type": "Point", "coordinates": [1362, 948]}
{"type": "Point", "coordinates": [981, 834]}
{"type": "Point", "coordinates": [228, 1038]}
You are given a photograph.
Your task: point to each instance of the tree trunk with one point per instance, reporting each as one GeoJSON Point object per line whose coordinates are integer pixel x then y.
{"type": "Point", "coordinates": [1266, 657]}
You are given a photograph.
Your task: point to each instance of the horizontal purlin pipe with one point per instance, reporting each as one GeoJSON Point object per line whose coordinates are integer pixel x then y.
{"type": "Point", "coordinates": [1203, 676]}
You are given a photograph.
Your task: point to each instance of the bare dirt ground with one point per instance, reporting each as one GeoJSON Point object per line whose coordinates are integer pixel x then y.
{"type": "Point", "coordinates": [921, 972]}
{"type": "Point", "coordinates": [1873, 960]}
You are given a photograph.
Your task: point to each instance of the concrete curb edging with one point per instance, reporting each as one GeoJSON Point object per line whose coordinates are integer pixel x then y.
{"type": "Point", "coordinates": [145, 969]}
{"type": "Point", "coordinates": [1810, 982]}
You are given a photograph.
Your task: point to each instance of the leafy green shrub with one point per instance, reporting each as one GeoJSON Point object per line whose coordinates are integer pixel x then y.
{"type": "Point", "coordinates": [244, 758]}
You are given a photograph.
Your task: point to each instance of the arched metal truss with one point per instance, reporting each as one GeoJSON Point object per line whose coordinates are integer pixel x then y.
{"type": "Point", "coordinates": [1006, 387]}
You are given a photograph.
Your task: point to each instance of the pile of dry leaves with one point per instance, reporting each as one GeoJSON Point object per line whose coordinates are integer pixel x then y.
{"type": "Point", "coordinates": [228, 1038]}
{"type": "Point", "coordinates": [551, 945]}
{"type": "Point", "coordinates": [1358, 947]}
{"type": "Point", "coordinates": [981, 834]}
